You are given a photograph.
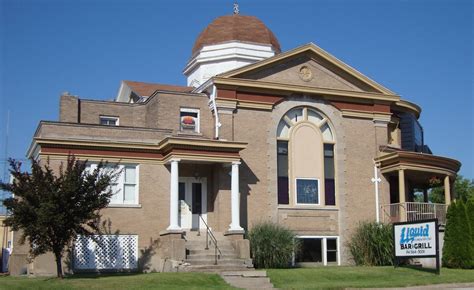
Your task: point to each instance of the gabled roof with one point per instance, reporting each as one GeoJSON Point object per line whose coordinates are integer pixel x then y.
{"type": "Point", "coordinates": [147, 89]}
{"type": "Point", "coordinates": [310, 48]}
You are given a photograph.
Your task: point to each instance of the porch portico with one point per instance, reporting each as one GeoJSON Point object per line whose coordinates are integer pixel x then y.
{"type": "Point", "coordinates": [186, 152]}
{"type": "Point", "coordinates": [408, 172]}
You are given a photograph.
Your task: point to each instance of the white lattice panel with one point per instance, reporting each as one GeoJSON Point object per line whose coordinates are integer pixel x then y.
{"type": "Point", "coordinates": [104, 252]}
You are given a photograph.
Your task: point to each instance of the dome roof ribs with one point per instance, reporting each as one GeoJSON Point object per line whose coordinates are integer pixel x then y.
{"type": "Point", "coordinates": [236, 27]}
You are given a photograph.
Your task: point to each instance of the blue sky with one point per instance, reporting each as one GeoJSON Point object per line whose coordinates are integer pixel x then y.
{"type": "Point", "coordinates": [422, 50]}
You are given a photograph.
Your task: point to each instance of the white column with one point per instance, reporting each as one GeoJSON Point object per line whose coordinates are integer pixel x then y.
{"type": "Point", "coordinates": [174, 186]}
{"type": "Point", "coordinates": [235, 198]}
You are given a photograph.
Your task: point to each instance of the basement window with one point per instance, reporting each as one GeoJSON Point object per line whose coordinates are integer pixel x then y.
{"type": "Point", "coordinates": [317, 251]}
{"type": "Point", "coordinates": [109, 120]}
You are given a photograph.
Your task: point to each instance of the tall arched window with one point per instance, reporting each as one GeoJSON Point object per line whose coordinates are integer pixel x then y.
{"type": "Point", "coordinates": [305, 159]}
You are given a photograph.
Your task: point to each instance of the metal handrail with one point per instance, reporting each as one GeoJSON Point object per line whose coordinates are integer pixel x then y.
{"type": "Point", "coordinates": [213, 240]}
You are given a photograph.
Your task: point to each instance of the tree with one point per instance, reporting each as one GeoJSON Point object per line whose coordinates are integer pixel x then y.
{"type": "Point", "coordinates": [52, 209]}
{"type": "Point", "coordinates": [457, 249]}
{"type": "Point", "coordinates": [470, 216]}
{"type": "Point", "coordinates": [463, 189]}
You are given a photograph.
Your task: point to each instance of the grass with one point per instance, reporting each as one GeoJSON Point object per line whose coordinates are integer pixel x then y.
{"type": "Point", "coordinates": [119, 281]}
{"type": "Point", "coordinates": [303, 278]}
{"type": "Point", "coordinates": [363, 277]}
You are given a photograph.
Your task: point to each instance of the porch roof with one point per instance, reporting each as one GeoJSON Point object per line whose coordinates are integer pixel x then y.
{"type": "Point", "coordinates": [416, 161]}
{"type": "Point", "coordinates": [197, 149]}
{"type": "Point", "coordinates": [184, 148]}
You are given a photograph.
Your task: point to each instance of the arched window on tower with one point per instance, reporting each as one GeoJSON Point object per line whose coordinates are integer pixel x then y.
{"type": "Point", "coordinates": [305, 159]}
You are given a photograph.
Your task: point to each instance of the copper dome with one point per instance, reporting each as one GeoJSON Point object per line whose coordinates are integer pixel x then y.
{"type": "Point", "coordinates": [236, 27]}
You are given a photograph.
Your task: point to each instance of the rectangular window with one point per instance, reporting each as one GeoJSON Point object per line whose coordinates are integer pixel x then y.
{"type": "Point", "coordinates": [282, 164]}
{"type": "Point", "coordinates": [125, 186]}
{"type": "Point", "coordinates": [331, 250]}
{"type": "Point", "coordinates": [109, 121]}
{"type": "Point", "coordinates": [307, 191]}
{"type": "Point", "coordinates": [329, 176]}
{"type": "Point", "coordinates": [318, 249]}
{"type": "Point", "coordinates": [189, 120]}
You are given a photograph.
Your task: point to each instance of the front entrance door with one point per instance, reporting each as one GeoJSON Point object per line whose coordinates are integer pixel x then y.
{"type": "Point", "coordinates": [192, 202]}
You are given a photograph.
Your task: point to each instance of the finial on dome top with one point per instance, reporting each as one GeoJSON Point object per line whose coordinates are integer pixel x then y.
{"type": "Point", "coordinates": [236, 8]}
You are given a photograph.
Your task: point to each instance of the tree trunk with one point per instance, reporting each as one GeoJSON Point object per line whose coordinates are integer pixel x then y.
{"type": "Point", "coordinates": [59, 267]}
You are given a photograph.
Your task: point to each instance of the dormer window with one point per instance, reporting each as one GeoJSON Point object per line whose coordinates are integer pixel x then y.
{"type": "Point", "coordinates": [189, 120]}
{"type": "Point", "coordinates": [109, 121]}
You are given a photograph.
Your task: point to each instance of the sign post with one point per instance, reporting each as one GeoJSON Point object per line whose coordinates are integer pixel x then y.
{"type": "Point", "coordinates": [418, 239]}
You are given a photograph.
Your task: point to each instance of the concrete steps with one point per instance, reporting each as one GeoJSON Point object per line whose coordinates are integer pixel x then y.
{"type": "Point", "coordinates": [209, 254]}
{"type": "Point", "coordinates": [198, 259]}
{"type": "Point", "coordinates": [248, 279]}
{"type": "Point", "coordinates": [213, 268]}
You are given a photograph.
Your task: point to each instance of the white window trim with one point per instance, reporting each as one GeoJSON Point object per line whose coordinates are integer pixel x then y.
{"type": "Point", "coordinates": [102, 117]}
{"type": "Point", "coordinates": [296, 191]}
{"type": "Point", "coordinates": [324, 248]}
{"type": "Point", "coordinates": [121, 181]}
{"type": "Point", "coordinates": [198, 121]}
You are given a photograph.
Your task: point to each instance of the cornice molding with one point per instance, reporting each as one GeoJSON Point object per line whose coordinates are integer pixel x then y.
{"type": "Point", "coordinates": [408, 106]}
{"type": "Point", "coordinates": [171, 147]}
{"type": "Point", "coordinates": [288, 89]}
{"type": "Point", "coordinates": [417, 161]}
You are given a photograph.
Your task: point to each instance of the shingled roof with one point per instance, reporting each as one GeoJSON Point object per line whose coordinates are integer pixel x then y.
{"type": "Point", "coordinates": [236, 28]}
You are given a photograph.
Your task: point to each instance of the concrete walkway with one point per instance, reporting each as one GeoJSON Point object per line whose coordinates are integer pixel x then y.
{"type": "Point", "coordinates": [248, 279]}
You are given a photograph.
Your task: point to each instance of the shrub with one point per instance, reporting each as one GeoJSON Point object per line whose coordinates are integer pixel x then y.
{"type": "Point", "coordinates": [470, 216]}
{"type": "Point", "coordinates": [272, 245]}
{"type": "Point", "coordinates": [372, 244]}
{"type": "Point", "coordinates": [458, 249]}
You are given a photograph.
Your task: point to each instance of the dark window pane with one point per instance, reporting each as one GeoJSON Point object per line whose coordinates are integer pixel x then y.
{"type": "Point", "coordinates": [331, 244]}
{"type": "Point", "coordinates": [311, 251]}
{"type": "Point", "coordinates": [332, 256]}
{"type": "Point", "coordinates": [282, 171]}
{"type": "Point", "coordinates": [329, 175]}
{"type": "Point", "coordinates": [330, 191]}
{"type": "Point", "coordinates": [283, 196]}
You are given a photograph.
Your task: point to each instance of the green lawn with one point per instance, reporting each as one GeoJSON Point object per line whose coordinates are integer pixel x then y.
{"type": "Point", "coordinates": [304, 278]}
{"type": "Point", "coordinates": [125, 281]}
{"type": "Point", "coordinates": [342, 277]}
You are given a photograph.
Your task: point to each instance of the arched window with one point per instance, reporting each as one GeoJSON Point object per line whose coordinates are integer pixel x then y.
{"type": "Point", "coordinates": [305, 159]}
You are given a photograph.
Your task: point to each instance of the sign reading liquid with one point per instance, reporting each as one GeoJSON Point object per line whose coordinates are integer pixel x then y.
{"type": "Point", "coordinates": [416, 240]}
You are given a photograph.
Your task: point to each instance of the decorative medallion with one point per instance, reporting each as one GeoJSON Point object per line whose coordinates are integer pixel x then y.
{"type": "Point", "coordinates": [306, 74]}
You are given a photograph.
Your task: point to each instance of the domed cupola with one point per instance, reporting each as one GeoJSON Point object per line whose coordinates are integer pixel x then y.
{"type": "Point", "coordinates": [229, 42]}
